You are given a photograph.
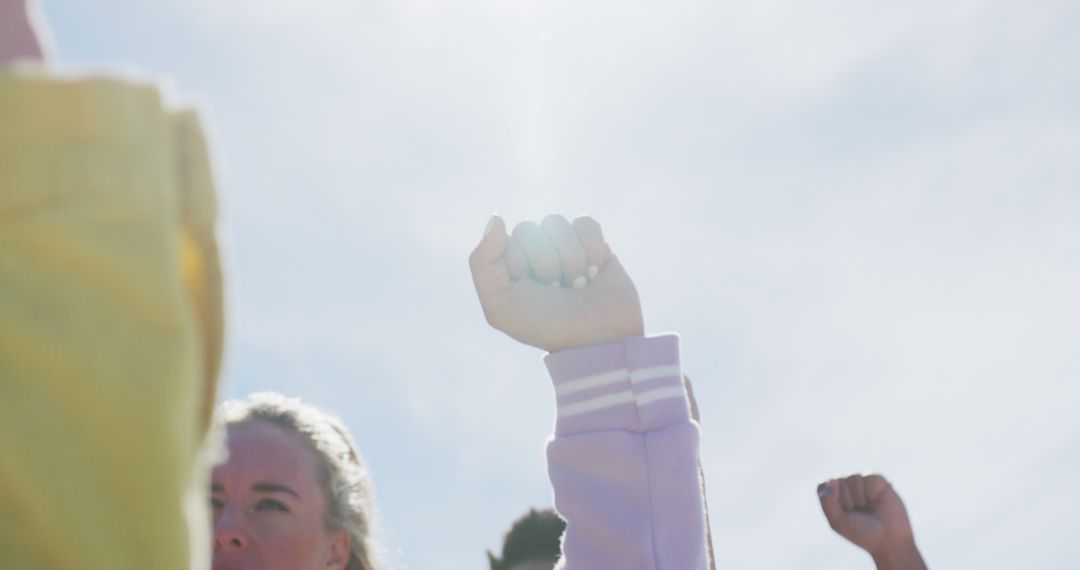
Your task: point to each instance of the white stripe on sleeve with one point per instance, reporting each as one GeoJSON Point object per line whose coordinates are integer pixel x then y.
{"type": "Point", "coordinates": [593, 381]}
{"type": "Point", "coordinates": [643, 374]}
{"type": "Point", "coordinates": [598, 403]}
{"type": "Point", "coordinates": [658, 394]}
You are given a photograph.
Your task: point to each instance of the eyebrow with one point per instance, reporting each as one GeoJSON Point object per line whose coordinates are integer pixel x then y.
{"type": "Point", "coordinates": [260, 488]}
{"type": "Point", "coordinates": [274, 488]}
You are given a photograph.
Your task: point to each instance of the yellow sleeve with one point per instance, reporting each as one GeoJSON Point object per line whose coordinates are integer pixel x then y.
{"type": "Point", "coordinates": [110, 326]}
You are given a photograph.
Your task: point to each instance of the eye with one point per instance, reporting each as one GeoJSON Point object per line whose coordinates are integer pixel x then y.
{"type": "Point", "coordinates": [271, 505]}
{"type": "Point", "coordinates": [216, 503]}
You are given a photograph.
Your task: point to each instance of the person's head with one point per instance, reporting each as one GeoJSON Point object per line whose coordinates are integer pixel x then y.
{"type": "Point", "coordinates": [293, 493]}
{"type": "Point", "coordinates": [533, 542]}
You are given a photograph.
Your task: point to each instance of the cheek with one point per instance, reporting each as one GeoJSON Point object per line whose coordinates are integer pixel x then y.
{"type": "Point", "coordinates": [288, 544]}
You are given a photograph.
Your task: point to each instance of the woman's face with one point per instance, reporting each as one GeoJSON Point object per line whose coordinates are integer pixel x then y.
{"type": "Point", "coordinates": [268, 506]}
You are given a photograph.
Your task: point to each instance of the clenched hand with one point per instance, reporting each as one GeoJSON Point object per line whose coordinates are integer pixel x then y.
{"type": "Point", "coordinates": [554, 285]}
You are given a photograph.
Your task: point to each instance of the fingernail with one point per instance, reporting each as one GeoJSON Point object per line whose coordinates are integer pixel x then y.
{"type": "Point", "coordinates": [823, 490]}
{"type": "Point", "coordinates": [490, 224]}
{"type": "Point", "coordinates": [580, 282]}
{"type": "Point", "coordinates": [593, 271]}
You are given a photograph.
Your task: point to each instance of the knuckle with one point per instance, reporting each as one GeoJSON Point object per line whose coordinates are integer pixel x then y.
{"type": "Point", "coordinates": [585, 221]}
{"type": "Point", "coordinates": [524, 228]}
{"type": "Point", "coordinates": [554, 220]}
{"type": "Point", "coordinates": [588, 228]}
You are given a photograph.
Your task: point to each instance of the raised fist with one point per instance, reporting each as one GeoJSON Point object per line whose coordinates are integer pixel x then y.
{"type": "Point", "coordinates": [554, 285]}
{"type": "Point", "coordinates": [867, 511]}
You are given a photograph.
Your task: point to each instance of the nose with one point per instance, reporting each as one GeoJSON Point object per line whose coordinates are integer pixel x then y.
{"type": "Point", "coordinates": [230, 530]}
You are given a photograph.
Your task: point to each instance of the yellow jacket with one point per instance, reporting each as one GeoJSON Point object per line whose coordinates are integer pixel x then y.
{"type": "Point", "coordinates": [110, 326]}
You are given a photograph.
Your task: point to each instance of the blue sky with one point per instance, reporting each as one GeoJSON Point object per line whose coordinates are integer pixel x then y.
{"type": "Point", "coordinates": [863, 217]}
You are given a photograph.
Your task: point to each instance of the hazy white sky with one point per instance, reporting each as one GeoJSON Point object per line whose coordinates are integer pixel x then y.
{"type": "Point", "coordinates": [863, 217]}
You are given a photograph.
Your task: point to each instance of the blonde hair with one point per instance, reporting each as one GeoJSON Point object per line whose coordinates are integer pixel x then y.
{"type": "Point", "coordinates": [350, 500]}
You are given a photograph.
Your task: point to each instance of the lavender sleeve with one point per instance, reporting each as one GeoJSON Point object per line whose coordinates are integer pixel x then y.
{"type": "Point", "coordinates": [624, 459]}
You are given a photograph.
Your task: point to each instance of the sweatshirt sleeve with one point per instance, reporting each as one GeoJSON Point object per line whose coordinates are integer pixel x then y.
{"type": "Point", "coordinates": [624, 459]}
{"type": "Point", "coordinates": [110, 325]}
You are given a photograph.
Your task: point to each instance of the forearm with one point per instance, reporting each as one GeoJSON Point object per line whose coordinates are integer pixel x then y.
{"type": "Point", "coordinates": [899, 555]}
{"type": "Point", "coordinates": [624, 462]}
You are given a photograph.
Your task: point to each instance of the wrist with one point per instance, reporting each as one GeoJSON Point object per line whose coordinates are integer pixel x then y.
{"type": "Point", "coordinates": [633, 385]}
{"type": "Point", "coordinates": [591, 339]}
{"type": "Point", "coordinates": [898, 554]}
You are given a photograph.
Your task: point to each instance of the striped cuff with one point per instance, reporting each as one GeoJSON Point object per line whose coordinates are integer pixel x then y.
{"type": "Point", "coordinates": [634, 385]}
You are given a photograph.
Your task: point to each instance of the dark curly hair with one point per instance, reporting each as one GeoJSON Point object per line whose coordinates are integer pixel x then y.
{"type": "Point", "coordinates": [536, 536]}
